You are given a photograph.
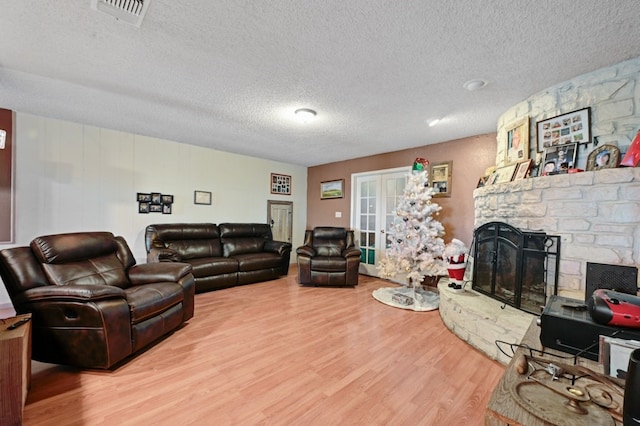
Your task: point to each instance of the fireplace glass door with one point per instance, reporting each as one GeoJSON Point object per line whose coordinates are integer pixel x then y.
{"type": "Point", "coordinates": [513, 266]}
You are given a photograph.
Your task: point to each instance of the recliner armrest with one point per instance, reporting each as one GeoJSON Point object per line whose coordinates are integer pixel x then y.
{"type": "Point", "coordinates": [75, 292]}
{"type": "Point", "coordinates": [306, 251]}
{"type": "Point", "coordinates": [163, 255]}
{"type": "Point", "coordinates": [147, 273]}
{"type": "Point", "coordinates": [351, 252]}
{"type": "Point", "coordinates": [279, 247]}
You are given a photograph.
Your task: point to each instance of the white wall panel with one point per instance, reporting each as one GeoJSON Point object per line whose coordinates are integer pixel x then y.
{"type": "Point", "coordinates": [72, 177]}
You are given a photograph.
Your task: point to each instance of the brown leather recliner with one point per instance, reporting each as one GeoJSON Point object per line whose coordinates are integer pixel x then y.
{"type": "Point", "coordinates": [91, 305]}
{"type": "Point", "coordinates": [329, 257]}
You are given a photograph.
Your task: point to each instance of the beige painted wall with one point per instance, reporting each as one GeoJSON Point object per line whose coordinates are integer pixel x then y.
{"type": "Point", "coordinates": [470, 156]}
{"type": "Point", "coordinates": [72, 177]}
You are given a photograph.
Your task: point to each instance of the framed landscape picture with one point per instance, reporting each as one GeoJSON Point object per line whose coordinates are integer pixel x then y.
{"type": "Point", "coordinates": [332, 189]}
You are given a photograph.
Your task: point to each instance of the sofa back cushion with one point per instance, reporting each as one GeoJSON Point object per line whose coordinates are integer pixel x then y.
{"type": "Point", "coordinates": [329, 241]}
{"type": "Point", "coordinates": [81, 258]}
{"type": "Point", "coordinates": [242, 238]}
{"type": "Point", "coordinates": [189, 240]}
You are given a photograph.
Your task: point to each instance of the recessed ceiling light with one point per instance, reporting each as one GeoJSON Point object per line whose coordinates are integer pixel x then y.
{"type": "Point", "coordinates": [305, 115]}
{"type": "Point", "coordinates": [476, 84]}
{"type": "Point", "coordinates": [433, 122]}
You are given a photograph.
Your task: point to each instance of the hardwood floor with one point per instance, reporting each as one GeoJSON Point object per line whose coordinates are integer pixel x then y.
{"type": "Point", "coordinates": [275, 353]}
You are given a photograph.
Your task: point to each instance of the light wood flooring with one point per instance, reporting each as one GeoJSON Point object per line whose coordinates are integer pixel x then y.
{"type": "Point", "coordinates": [275, 353]}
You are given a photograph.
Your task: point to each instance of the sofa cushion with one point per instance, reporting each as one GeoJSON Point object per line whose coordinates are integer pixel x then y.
{"type": "Point", "coordinates": [180, 231]}
{"type": "Point", "coordinates": [189, 240]}
{"type": "Point", "coordinates": [328, 264]}
{"type": "Point", "coordinates": [71, 247]}
{"type": "Point", "coordinates": [212, 266]}
{"type": "Point", "coordinates": [193, 249]}
{"type": "Point", "coordinates": [242, 238]}
{"type": "Point", "coordinates": [257, 261]}
{"type": "Point", "coordinates": [81, 258]}
{"type": "Point", "coordinates": [105, 270]}
{"type": "Point", "coordinates": [329, 241]}
{"type": "Point", "coordinates": [149, 300]}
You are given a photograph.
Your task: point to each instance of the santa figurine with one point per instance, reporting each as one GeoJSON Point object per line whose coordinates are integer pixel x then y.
{"type": "Point", "coordinates": [455, 254]}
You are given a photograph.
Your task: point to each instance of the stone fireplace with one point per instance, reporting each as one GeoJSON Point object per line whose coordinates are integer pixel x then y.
{"type": "Point", "coordinates": [596, 216]}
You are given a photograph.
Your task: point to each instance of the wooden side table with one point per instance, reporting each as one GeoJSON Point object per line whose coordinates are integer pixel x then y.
{"type": "Point", "coordinates": [502, 408]}
{"type": "Point", "coordinates": [15, 368]}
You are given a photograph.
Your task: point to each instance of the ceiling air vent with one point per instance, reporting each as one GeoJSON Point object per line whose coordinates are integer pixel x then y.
{"type": "Point", "coordinates": [129, 11]}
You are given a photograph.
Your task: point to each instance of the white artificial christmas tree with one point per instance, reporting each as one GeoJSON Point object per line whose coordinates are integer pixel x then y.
{"type": "Point", "coordinates": [416, 244]}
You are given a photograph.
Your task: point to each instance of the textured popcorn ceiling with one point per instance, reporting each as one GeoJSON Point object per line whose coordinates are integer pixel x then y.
{"type": "Point", "coordinates": [228, 74]}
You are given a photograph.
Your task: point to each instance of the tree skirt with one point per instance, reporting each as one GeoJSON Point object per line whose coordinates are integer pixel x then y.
{"type": "Point", "coordinates": [425, 300]}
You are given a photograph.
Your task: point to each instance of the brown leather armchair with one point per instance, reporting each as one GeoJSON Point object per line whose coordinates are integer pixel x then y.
{"type": "Point", "coordinates": [91, 305]}
{"type": "Point", "coordinates": [329, 257]}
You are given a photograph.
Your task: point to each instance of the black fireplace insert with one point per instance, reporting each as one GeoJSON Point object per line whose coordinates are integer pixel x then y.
{"type": "Point", "coordinates": [519, 268]}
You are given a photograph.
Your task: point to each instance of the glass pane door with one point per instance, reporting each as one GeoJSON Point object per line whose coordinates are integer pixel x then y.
{"type": "Point", "coordinates": [375, 200]}
{"type": "Point", "coordinates": [367, 219]}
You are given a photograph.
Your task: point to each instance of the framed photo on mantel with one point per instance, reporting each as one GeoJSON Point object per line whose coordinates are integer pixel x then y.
{"type": "Point", "coordinates": [517, 141]}
{"type": "Point", "coordinates": [572, 127]}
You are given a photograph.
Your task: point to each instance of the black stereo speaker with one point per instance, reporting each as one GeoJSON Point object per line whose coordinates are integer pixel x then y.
{"type": "Point", "coordinates": [567, 326]}
{"type": "Point", "coordinates": [612, 277]}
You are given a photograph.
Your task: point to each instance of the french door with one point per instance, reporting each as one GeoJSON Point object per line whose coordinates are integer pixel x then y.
{"type": "Point", "coordinates": [374, 202]}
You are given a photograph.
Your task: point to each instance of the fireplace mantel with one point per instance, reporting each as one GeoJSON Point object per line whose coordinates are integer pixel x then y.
{"type": "Point", "coordinates": [596, 214]}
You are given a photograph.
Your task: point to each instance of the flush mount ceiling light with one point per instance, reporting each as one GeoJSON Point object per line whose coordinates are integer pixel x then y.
{"type": "Point", "coordinates": [476, 84]}
{"type": "Point", "coordinates": [432, 123]}
{"type": "Point", "coordinates": [305, 115]}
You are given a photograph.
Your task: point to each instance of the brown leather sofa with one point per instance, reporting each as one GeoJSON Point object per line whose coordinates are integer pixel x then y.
{"type": "Point", "coordinates": [329, 257]}
{"type": "Point", "coordinates": [221, 256]}
{"type": "Point", "coordinates": [91, 305]}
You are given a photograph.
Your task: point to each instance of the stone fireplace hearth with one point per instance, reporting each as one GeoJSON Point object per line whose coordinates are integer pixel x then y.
{"type": "Point", "coordinates": [597, 216]}
{"type": "Point", "coordinates": [480, 321]}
